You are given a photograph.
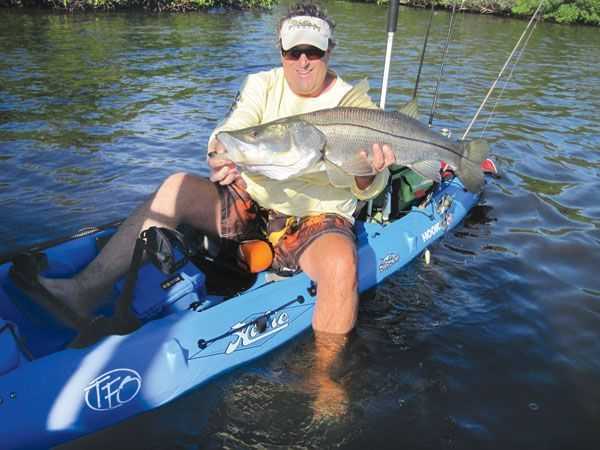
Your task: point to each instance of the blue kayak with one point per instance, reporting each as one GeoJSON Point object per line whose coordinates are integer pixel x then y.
{"type": "Point", "coordinates": [193, 330]}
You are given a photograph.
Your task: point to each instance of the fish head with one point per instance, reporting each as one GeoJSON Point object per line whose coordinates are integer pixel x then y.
{"type": "Point", "coordinates": [288, 146]}
{"type": "Point", "coordinates": [255, 143]}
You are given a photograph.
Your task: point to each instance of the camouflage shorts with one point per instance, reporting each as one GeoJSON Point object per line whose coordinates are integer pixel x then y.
{"type": "Point", "coordinates": [243, 219]}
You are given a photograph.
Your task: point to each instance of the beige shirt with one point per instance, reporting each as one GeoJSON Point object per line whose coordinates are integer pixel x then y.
{"type": "Point", "coordinates": [266, 96]}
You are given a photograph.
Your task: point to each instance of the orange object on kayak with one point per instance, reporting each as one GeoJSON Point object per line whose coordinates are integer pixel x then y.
{"type": "Point", "coordinates": [256, 255]}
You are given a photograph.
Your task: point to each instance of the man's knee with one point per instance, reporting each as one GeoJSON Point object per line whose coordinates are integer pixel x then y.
{"type": "Point", "coordinates": [333, 259]}
{"type": "Point", "coordinates": [173, 183]}
{"type": "Point", "coordinates": [187, 198]}
{"type": "Point", "coordinates": [182, 189]}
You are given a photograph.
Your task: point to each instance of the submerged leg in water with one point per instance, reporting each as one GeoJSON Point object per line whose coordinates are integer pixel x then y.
{"type": "Point", "coordinates": [335, 315]}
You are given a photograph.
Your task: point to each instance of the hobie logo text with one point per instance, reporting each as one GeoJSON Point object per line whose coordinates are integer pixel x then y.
{"type": "Point", "coordinates": [251, 334]}
{"type": "Point", "coordinates": [431, 231]}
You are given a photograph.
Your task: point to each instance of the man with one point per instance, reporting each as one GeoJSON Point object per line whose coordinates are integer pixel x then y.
{"type": "Point", "coordinates": [309, 221]}
{"type": "Point", "coordinates": [323, 246]}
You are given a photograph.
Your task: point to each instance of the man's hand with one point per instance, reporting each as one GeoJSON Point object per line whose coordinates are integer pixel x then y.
{"type": "Point", "coordinates": [222, 171]}
{"type": "Point", "coordinates": [383, 157]}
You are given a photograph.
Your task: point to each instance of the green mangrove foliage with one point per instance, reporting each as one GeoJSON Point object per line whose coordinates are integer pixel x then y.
{"type": "Point", "coordinates": [561, 11]}
{"type": "Point", "coordinates": [151, 5]}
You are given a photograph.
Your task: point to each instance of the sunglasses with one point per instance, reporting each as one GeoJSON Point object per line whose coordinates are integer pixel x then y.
{"type": "Point", "coordinates": [311, 53]}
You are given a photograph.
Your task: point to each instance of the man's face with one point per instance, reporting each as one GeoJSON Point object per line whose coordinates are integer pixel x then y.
{"type": "Point", "coordinates": [305, 69]}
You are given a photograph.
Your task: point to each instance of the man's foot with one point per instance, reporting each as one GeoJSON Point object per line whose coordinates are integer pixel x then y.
{"type": "Point", "coordinates": [69, 291]}
{"type": "Point", "coordinates": [25, 275]}
{"type": "Point", "coordinates": [331, 401]}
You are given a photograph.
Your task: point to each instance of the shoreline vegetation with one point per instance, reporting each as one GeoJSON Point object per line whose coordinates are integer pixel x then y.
{"type": "Point", "coordinates": [585, 12]}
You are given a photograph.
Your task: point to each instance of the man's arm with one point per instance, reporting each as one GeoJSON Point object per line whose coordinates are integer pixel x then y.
{"type": "Point", "coordinates": [248, 106]}
{"type": "Point", "coordinates": [246, 111]}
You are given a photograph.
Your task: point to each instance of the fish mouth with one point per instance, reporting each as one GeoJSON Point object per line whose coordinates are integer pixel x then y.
{"type": "Point", "coordinates": [232, 145]}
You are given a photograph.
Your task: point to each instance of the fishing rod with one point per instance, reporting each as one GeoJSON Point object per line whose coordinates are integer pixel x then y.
{"type": "Point", "coordinates": [502, 70]}
{"type": "Point", "coordinates": [423, 52]}
{"type": "Point", "coordinates": [444, 55]}
{"type": "Point", "coordinates": [391, 29]}
{"type": "Point", "coordinates": [508, 78]}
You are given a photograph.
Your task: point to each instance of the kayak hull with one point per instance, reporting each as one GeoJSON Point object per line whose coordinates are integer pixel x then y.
{"type": "Point", "coordinates": [64, 394]}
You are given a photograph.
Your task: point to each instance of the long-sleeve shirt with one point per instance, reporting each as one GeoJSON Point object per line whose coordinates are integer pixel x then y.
{"type": "Point", "coordinates": [266, 96]}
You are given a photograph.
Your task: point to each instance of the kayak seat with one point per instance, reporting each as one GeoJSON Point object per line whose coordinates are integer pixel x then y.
{"type": "Point", "coordinates": [219, 260]}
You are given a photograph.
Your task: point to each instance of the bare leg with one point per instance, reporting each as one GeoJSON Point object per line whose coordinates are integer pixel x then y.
{"type": "Point", "coordinates": [330, 261]}
{"type": "Point", "coordinates": [182, 198]}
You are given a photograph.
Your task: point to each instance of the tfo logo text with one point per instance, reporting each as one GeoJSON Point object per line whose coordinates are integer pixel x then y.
{"type": "Point", "coordinates": [112, 389]}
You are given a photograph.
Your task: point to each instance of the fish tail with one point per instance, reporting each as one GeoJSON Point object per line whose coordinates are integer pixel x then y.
{"type": "Point", "coordinates": [475, 151]}
{"type": "Point", "coordinates": [469, 170]}
{"type": "Point", "coordinates": [471, 175]}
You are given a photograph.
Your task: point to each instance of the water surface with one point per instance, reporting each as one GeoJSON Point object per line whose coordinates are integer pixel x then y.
{"type": "Point", "coordinates": [495, 344]}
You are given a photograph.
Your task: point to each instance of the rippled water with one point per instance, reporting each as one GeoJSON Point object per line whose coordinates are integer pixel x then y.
{"type": "Point", "coordinates": [493, 345]}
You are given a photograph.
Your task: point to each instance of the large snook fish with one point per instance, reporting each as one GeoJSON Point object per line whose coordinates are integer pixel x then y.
{"type": "Point", "coordinates": [341, 137]}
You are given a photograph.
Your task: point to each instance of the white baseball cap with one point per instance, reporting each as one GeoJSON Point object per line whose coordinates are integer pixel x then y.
{"type": "Point", "coordinates": [305, 30]}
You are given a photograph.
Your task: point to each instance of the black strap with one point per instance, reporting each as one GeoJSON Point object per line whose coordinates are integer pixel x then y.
{"type": "Point", "coordinates": [160, 245]}
{"type": "Point", "coordinates": [125, 320]}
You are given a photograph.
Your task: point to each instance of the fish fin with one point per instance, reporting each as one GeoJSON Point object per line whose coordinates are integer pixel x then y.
{"type": "Point", "coordinates": [356, 95]}
{"type": "Point", "coordinates": [358, 166]}
{"type": "Point", "coordinates": [428, 169]}
{"type": "Point", "coordinates": [475, 151]}
{"type": "Point", "coordinates": [337, 177]}
{"type": "Point", "coordinates": [410, 109]}
{"type": "Point", "coordinates": [310, 136]}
